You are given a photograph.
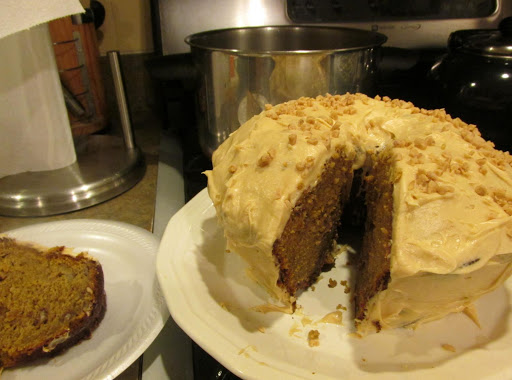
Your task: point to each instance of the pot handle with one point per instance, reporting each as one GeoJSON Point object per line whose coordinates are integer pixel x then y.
{"type": "Point", "coordinates": [174, 67]}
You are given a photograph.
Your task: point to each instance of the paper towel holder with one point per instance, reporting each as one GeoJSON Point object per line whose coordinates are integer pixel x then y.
{"type": "Point", "coordinates": [106, 167]}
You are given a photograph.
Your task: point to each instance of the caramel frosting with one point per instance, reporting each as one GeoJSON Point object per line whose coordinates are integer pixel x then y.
{"type": "Point", "coordinates": [452, 217]}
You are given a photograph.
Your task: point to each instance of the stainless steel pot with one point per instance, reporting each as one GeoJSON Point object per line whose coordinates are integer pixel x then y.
{"type": "Point", "coordinates": [242, 69]}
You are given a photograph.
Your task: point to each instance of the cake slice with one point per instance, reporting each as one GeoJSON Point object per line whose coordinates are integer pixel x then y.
{"type": "Point", "coordinates": [438, 199]}
{"type": "Point", "coordinates": [49, 301]}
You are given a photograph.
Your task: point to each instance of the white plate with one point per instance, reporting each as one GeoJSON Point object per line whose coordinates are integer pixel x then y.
{"type": "Point", "coordinates": [136, 310]}
{"type": "Point", "coordinates": [210, 298]}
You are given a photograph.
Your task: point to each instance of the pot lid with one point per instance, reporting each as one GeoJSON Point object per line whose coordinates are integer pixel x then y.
{"type": "Point", "coordinates": [495, 43]}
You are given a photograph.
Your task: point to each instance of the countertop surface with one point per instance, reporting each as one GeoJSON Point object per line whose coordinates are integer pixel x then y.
{"type": "Point", "coordinates": [136, 206]}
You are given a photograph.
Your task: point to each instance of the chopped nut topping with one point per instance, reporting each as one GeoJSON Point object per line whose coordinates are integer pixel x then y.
{"type": "Point", "coordinates": [273, 115]}
{"type": "Point", "coordinates": [480, 190]}
{"type": "Point", "coordinates": [430, 141]}
{"type": "Point", "coordinates": [267, 158]}
{"type": "Point", "coordinates": [310, 161]}
{"type": "Point", "coordinates": [420, 143]}
{"type": "Point", "coordinates": [428, 182]}
{"type": "Point", "coordinates": [503, 200]}
{"type": "Point", "coordinates": [350, 110]}
{"type": "Point", "coordinates": [292, 139]}
{"type": "Point", "coordinates": [232, 169]}
{"type": "Point", "coordinates": [448, 347]}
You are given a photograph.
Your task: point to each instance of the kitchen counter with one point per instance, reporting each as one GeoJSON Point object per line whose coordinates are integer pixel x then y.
{"type": "Point", "coordinates": [136, 206]}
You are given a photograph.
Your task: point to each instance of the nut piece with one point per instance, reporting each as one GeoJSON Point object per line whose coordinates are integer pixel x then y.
{"type": "Point", "coordinates": [267, 158]}
{"type": "Point", "coordinates": [313, 338]}
{"type": "Point", "coordinates": [480, 190]}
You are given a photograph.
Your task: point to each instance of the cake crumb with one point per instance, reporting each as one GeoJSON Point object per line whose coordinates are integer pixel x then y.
{"type": "Point", "coordinates": [341, 307]}
{"type": "Point", "coordinates": [448, 347]}
{"type": "Point", "coordinates": [261, 329]}
{"type": "Point", "coordinates": [345, 284]}
{"type": "Point", "coordinates": [313, 338]}
{"type": "Point", "coordinates": [355, 335]}
{"type": "Point", "coordinates": [472, 314]}
{"type": "Point", "coordinates": [243, 351]}
{"type": "Point", "coordinates": [332, 283]}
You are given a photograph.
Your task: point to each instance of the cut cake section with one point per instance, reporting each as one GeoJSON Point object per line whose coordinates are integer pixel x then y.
{"type": "Point", "coordinates": [301, 256]}
{"type": "Point", "coordinates": [49, 301]}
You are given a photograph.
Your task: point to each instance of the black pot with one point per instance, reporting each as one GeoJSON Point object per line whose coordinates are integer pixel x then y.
{"type": "Point", "coordinates": [475, 80]}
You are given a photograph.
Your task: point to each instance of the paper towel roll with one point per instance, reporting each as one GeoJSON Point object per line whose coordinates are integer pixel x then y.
{"type": "Point", "coordinates": [35, 133]}
{"type": "Point", "coordinates": [18, 15]}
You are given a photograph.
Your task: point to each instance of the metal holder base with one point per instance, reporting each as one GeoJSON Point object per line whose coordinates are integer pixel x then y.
{"type": "Point", "coordinates": [105, 168]}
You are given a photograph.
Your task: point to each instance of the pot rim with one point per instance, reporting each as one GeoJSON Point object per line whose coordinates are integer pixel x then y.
{"type": "Point", "coordinates": [200, 40]}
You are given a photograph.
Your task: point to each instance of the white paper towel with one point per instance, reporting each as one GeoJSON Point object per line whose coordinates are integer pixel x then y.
{"type": "Point", "coordinates": [35, 133]}
{"type": "Point", "coordinates": [17, 15]}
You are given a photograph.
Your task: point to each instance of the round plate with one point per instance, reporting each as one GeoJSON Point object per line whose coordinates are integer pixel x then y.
{"type": "Point", "coordinates": [136, 310]}
{"type": "Point", "coordinates": [210, 298]}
